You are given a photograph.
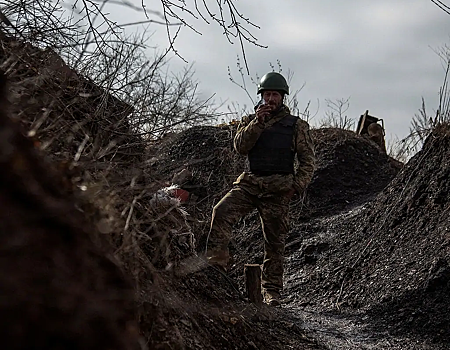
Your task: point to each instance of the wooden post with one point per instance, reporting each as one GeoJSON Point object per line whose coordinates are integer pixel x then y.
{"type": "Point", "coordinates": [253, 283]}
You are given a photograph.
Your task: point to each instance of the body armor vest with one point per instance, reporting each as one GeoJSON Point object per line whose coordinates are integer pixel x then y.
{"type": "Point", "coordinates": [272, 153]}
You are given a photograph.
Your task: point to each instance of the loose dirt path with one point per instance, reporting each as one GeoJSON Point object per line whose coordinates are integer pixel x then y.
{"type": "Point", "coordinates": [347, 332]}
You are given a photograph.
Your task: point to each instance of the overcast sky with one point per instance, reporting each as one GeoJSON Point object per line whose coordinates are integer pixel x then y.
{"type": "Point", "coordinates": [379, 53]}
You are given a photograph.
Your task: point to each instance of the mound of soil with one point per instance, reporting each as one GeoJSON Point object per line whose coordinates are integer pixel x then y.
{"type": "Point", "coordinates": [350, 170]}
{"type": "Point", "coordinates": [207, 152]}
{"type": "Point", "coordinates": [65, 112]}
{"type": "Point", "coordinates": [205, 310]}
{"type": "Point", "coordinates": [389, 257]}
{"type": "Point", "coordinates": [60, 287]}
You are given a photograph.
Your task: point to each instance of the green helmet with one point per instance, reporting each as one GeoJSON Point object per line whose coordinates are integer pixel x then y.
{"type": "Point", "coordinates": [273, 81]}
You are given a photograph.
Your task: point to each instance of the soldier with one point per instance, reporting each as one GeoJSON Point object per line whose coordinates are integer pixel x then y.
{"type": "Point", "coordinates": [368, 127]}
{"type": "Point", "coordinates": [271, 139]}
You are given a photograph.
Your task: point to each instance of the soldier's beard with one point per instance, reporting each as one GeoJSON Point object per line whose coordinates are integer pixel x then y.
{"type": "Point", "coordinates": [274, 108]}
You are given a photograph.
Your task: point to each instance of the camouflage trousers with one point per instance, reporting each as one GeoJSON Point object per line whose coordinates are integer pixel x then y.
{"type": "Point", "coordinates": [273, 211]}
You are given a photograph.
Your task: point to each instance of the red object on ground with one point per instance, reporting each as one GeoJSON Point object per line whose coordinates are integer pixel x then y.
{"type": "Point", "coordinates": [181, 194]}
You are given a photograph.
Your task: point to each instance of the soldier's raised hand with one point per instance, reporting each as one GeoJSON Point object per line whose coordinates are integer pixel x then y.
{"type": "Point", "coordinates": [262, 112]}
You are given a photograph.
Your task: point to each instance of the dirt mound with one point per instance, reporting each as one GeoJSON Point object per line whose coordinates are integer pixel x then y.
{"type": "Point", "coordinates": [59, 288]}
{"type": "Point", "coordinates": [350, 170]}
{"type": "Point", "coordinates": [390, 257]}
{"type": "Point", "coordinates": [207, 152]}
{"type": "Point", "coordinates": [62, 110]}
{"type": "Point", "coordinates": [86, 133]}
{"type": "Point", "coordinates": [205, 310]}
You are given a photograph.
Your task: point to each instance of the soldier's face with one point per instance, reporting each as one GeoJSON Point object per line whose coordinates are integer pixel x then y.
{"type": "Point", "coordinates": [273, 99]}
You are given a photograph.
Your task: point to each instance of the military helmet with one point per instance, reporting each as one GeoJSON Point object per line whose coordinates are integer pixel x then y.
{"type": "Point", "coordinates": [273, 81]}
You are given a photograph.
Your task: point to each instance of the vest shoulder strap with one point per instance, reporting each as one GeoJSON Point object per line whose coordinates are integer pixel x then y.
{"type": "Point", "coordinates": [289, 120]}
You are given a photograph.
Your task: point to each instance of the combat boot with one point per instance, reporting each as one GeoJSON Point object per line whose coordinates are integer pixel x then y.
{"type": "Point", "coordinates": [271, 297]}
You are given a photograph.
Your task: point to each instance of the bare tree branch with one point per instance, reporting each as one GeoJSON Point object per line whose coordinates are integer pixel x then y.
{"type": "Point", "coordinates": [442, 6]}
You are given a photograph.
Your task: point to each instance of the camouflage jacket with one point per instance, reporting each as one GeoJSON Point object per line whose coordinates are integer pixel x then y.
{"type": "Point", "coordinates": [248, 133]}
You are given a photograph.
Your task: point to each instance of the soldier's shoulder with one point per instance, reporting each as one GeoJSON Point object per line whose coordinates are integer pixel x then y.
{"type": "Point", "coordinates": [301, 123]}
